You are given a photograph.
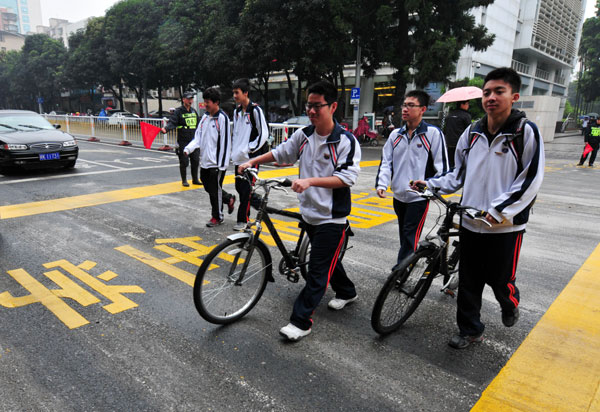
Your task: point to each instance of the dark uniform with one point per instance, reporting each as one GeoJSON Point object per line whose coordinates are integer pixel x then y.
{"type": "Point", "coordinates": [456, 123]}
{"type": "Point", "coordinates": [591, 136]}
{"type": "Point", "coordinates": [186, 122]}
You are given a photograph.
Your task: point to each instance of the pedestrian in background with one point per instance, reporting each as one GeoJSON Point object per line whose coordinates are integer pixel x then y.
{"type": "Point", "coordinates": [500, 167]}
{"type": "Point", "coordinates": [416, 149]}
{"type": "Point", "coordinates": [457, 121]}
{"type": "Point", "coordinates": [584, 124]}
{"type": "Point", "coordinates": [250, 133]}
{"type": "Point", "coordinates": [213, 138]}
{"type": "Point", "coordinates": [591, 136]}
{"type": "Point", "coordinates": [185, 120]}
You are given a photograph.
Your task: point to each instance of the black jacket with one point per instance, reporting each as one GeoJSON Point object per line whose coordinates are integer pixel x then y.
{"type": "Point", "coordinates": [592, 134]}
{"type": "Point", "coordinates": [185, 122]}
{"type": "Point", "coordinates": [456, 123]}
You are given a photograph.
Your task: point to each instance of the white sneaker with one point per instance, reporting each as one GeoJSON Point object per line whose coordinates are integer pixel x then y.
{"type": "Point", "coordinates": [240, 226]}
{"type": "Point", "coordinates": [338, 304]}
{"type": "Point", "coordinates": [292, 332]}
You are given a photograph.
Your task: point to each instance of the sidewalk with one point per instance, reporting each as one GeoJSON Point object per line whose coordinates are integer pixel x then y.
{"type": "Point", "coordinates": [557, 367]}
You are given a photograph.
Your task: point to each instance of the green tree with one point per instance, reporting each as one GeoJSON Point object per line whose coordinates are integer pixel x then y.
{"type": "Point", "coordinates": [588, 86]}
{"type": "Point", "coordinates": [41, 67]}
{"type": "Point", "coordinates": [421, 39]}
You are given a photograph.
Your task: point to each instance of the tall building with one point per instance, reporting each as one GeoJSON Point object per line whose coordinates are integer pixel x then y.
{"type": "Point", "coordinates": [537, 38]}
{"type": "Point", "coordinates": [60, 29]}
{"type": "Point", "coordinates": [28, 14]}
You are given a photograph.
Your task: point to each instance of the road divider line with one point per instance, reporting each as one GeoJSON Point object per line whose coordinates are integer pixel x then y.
{"type": "Point", "coordinates": [96, 199]}
{"type": "Point", "coordinates": [557, 366]}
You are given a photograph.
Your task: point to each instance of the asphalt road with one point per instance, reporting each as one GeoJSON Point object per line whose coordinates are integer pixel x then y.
{"type": "Point", "coordinates": [93, 317]}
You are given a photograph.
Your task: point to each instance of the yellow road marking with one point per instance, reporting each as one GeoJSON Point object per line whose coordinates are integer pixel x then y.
{"type": "Point", "coordinates": [95, 199]}
{"type": "Point", "coordinates": [557, 366]}
{"type": "Point", "coordinates": [173, 271]}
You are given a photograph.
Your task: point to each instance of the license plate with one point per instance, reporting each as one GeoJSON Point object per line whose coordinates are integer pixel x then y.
{"type": "Point", "coordinates": [49, 156]}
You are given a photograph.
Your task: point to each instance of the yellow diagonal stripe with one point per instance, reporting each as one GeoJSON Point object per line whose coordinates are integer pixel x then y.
{"type": "Point", "coordinates": [557, 367]}
{"type": "Point", "coordinates": [95, 199]}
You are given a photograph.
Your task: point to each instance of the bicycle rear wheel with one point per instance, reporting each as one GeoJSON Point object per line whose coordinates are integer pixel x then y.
{"type": "Point", "coordinates": [403, 291]}
{"type": "Point", "coordinates": [223, 291]}
{"type": "Point", "coordinates": [304, 253]}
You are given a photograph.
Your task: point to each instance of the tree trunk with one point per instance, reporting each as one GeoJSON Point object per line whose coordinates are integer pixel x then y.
{"type": "Point", "coordinates": [341, 111]}
{"type": "Point", "coordinates": [160, 107]}
{"type": "Point", "coordinates": [299, 97]}
{"type": "Point", "coordinates": [291, 98]}
{"type": "Point", "coordinates": [402, 75]}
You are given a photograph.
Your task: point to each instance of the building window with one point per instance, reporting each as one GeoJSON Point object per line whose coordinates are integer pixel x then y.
{"type": "Point", "coordinates": [25, 19]}
{"type": "Point", "coordinates": [24, 9]}
{"type": "Point", "coordinates": [26, 28]}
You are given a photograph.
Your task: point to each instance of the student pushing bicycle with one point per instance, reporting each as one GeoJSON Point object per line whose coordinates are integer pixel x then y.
{"type": "Point", "coordinates": [329, 158]}
{"type": "Point", "coordinates": [500, 167]}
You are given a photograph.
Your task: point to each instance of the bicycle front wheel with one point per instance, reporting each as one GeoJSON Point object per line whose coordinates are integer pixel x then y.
{"type": "Point", "coordinates": [226, 288]}
{"type": "Point", "coordinates": [403, 291]}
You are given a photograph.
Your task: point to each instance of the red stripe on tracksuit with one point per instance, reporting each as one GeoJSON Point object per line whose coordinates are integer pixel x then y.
{"type": "Point", "coordinates": [335, 258]}
{"type": "Point", "coordinates": [510, 285]}
{"type": "Point", "coordinates": [420, 228]}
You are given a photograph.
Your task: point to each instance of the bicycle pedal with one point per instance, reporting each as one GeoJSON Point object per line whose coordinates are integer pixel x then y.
{"type": "Point", "coordinates": [449, 292]}
{"type": "Point", "coordinates": [292, 276]}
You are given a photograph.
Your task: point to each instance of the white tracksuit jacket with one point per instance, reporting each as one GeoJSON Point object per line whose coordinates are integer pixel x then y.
{"type": "Point", "coordinates": [407, 158]}
{"type": "Point", "coordinates": [213, 137]}
{"type": "Point", "coordinates": [335, 155]}
{"type": "Point", "coordinates": [492, 179]}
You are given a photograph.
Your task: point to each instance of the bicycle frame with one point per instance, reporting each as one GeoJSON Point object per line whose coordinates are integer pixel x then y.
{"type": "Point", "coordinates": [291, 259]}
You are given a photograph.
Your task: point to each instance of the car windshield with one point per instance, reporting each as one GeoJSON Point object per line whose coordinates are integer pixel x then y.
{"type": "Point", "coordinates": [24, 121]}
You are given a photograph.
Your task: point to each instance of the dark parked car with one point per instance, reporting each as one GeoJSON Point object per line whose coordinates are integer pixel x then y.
{"type": "Point", "coordinates": [28, 140]}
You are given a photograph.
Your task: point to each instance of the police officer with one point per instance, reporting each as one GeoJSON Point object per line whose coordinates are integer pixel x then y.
{"type": "Point", "coordinates": [185, 120]}
{"type": "Point", "coordinates": [591, 136]}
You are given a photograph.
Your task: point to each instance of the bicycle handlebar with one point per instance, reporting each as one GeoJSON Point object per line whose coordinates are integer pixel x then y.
{"type": "Point", "coordinates": [251, 175]}
{"type": "Point", "coordinates": [428, 193]}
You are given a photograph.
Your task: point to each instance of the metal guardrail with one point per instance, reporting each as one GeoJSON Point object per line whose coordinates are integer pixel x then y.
{"type": "Point", "coordinates": [127, 129]}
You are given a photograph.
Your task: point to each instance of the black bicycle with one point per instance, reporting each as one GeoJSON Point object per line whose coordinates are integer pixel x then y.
{"type": "Point", "coordinates": [233, 277]}
{"type": "Point", "coordinates": [408, 283]}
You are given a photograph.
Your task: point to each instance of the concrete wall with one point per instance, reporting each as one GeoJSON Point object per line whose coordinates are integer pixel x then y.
{"type": "Point", "coordinates": [543, 111]}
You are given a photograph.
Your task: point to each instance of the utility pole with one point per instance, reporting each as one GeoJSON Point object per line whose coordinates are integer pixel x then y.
{"type": "Point", "coordinates": [357, 85]}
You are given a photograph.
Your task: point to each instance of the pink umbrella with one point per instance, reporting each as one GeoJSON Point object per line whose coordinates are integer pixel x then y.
{"type": "Point", "coordinates": [460, 94]}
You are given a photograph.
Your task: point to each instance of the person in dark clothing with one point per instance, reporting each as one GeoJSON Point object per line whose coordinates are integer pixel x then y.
{"type": "Point", "coordinates": [185, 120]}
{"type": "Point", "coordinates": [456, 123]}
{"type": "Point", "coordinates": [591, 136]}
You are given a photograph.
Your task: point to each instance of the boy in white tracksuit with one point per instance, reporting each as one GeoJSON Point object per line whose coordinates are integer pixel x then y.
{"type": "Point", "coordinates": [329, 164]}
{"type": "Point", "coordinates": [213, 138]}
{"type": "Point", "coordinates": [500, 166]}
{"type": "Point", "coordinates": [250, 133]}
{"type": "Point", "coordinates": [416, 149]}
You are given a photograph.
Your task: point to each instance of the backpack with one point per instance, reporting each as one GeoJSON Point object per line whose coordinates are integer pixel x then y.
{"type": "Point", "coordinates": [254, 133]}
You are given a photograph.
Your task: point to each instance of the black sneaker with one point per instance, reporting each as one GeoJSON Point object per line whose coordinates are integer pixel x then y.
{"type": "Point", "coordinates": [231, 204]}
{"type": "Point", "coordinates": [510, 318]}
{"type": "Point", "coordinates": [185, 183]}
{"type": "Point", "coordinates": [196, 182]}
{"type": "Point", "coordinates": [460, 342]}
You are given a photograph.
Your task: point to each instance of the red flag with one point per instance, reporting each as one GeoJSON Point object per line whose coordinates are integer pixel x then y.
{"type": "Point", "coordinates": [587, 149]}
{"type": "Point", "coordinates": [149, 133]}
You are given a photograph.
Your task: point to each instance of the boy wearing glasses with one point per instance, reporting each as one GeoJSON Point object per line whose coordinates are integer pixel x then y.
{"type": "Point", "coordinates": [415, 149]}
{"type": "Point", "coordinates": [329, 159]}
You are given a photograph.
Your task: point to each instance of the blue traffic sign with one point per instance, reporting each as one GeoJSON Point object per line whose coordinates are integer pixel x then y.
{"type": "Point", "coordinates": [355, 94]}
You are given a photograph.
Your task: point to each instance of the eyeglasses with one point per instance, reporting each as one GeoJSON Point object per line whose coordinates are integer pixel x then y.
{"type": "Point", "coordinates": [315, 106]}
{"type": "Point", "coordinates": [410, 105]}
